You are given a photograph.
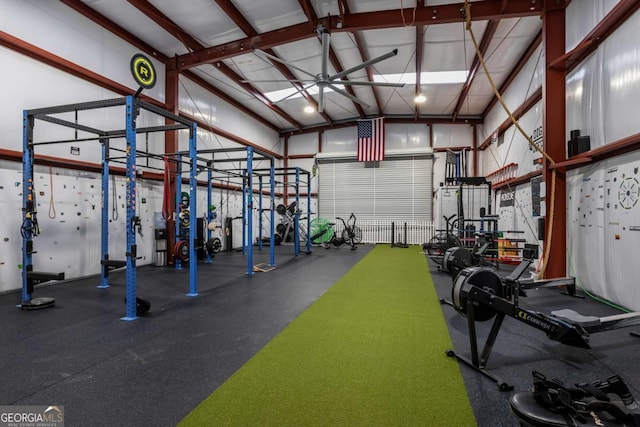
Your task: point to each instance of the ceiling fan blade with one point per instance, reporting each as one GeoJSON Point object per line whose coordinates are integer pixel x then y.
{"type": "Point", "coordinates": [320, 99]}
{"type": "Point", "coordinates": [358, 83]}
{"type": "Point", "coordinates": [299, 91]}
{"type": "Point", "coordinates": [282, 61]}
{"type": "Point", "coordinates": [365, 64]}
{"type": "Point", "coordinates": [277, 81]}
{"type": "Point", "coordinates": [348, 95]}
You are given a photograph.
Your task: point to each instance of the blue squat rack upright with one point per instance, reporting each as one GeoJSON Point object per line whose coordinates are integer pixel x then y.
{"type": "Point", "coordinates": [132, 105]}
{"type": "Point", "coordinates": [297, 173]}
{"type": "Point", "coordinates": [246, 173]}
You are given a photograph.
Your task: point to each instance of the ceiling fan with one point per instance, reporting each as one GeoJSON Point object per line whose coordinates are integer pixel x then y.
{"type": "Point", "coordinates": [323, 80]}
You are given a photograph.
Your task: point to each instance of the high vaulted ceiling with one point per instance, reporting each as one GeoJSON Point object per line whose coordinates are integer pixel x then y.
{"type": "Point", "coordinates": [214, 42]}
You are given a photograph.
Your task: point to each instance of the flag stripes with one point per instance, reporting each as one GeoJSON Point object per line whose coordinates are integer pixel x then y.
{"type": "Point", "coordinates": [371, 140]}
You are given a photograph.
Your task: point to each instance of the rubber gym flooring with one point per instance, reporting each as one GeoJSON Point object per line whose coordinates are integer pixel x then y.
{"type": "Point", "coordinates": [520, 349]}
{"type": "Point", "coordinates": [155, 370]}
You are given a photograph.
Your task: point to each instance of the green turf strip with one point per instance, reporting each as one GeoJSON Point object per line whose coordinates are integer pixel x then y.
{"type": "Point", "coordinates": [370, 351]}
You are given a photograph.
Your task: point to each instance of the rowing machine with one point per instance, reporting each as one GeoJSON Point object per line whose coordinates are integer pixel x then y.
{"type": "Point", "coordinates": [481, 295]}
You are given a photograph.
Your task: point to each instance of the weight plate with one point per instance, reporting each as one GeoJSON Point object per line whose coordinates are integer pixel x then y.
{"type": "Point", "coordinates": [142, 306]}
{"type": "Point", "coordinates": [292, 208]}
{"type": "Point", "coordinates": [184, 200]}
{"type": "Point", "coordinates": [181, 250]}
{"type": "Point", "coordinates": [213, 245]}
{"type": "Point", "coordinates": [185, 218]}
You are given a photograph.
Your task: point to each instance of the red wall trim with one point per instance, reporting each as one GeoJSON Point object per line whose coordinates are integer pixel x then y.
{"type": "Point", "coordinates": [519, 112]}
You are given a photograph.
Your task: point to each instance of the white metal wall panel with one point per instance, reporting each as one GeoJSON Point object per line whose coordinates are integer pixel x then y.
{"type": "Point", "coordinates": [406, 136]}
{"type": "Point", "coordinates": [306, 143]}
{"type": "Point", "coordinates": [603, 228]}
{"type": "Point", "coordinates": [515, 147]}
{"type": "Point", "coordinates": [602, 92]}
{"type": "Point", "coordinates": [523, 86]}
{"type": "Point", "coordinates": [452, 136]}
{"type": "Point", "coordinates": [199, 103]}
{"type": "Point", "coordinates": [582, 16]}
{"type": "Point", "coordinates": [340, 140]}
{"type": "Point", "coordinates": [60, 30]}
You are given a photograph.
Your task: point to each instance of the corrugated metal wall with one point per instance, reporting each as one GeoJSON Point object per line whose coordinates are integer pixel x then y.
{"type": "Point", "coordinates": [398, 189]}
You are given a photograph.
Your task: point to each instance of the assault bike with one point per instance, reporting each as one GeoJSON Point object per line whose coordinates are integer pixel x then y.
{"type": "Point", "coordinates": [323, 233]}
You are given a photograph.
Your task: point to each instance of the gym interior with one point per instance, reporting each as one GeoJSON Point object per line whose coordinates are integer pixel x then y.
{"type": "Point", "coordinates": [319, 212]}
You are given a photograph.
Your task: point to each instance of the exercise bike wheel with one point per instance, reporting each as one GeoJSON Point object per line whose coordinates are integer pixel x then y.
{"type": "Point", "coordinates": [355, 234]}
{"type": "Point", "coordinates": [440, 243]}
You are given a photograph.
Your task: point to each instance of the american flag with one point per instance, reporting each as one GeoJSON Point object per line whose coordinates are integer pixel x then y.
{"type": "Point", "coordinates": [371, 140]}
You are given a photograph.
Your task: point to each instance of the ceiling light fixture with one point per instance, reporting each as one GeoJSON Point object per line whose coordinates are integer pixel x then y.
{"type": "Point", "coordinates": [420, 98]}
{"type": "Point", "coordinates": [309, 109]}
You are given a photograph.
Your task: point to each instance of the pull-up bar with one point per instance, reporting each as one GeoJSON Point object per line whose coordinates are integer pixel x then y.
{"type": "Point", "coordinates": [132, 107]}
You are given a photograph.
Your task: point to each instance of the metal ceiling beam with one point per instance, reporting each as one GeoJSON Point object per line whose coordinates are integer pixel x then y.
{"type": "Point", "coordinates": [236, 16]}
{"type": "Point", "coordinates": [310, 13]}
{"type": "Point", "coordinates": [114, 28]}
{"type": "Point", "coordinates": [487, 37]}
{"type": "Point", "coordinates": [515, 71]}
{"type": "Point", "coordinates": [62, 64]}
{"type": "Point", "coordinates": [527, 105]}
{"type": "Point", "coordinates": [427, 120]}
{"type": "Point", "coordinates": [616, 17]}
{"type": "Point", "coordinates": [190, 42]}
{"type": "Point", "coordinates": [344, 8]}
{"type": "Point", "coordinates": [228, 99]}
{"type": "Point", "coordinates": [482, 10]}
{"type": "Point", "coordinates": [165, 23]}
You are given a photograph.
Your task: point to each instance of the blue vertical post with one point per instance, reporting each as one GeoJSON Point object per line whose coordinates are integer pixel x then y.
{"type": "Point", "coordinates": [296, 221]}
{"type": "Point", "coordinates": [308, 213]}
{"type": "Point", "coordinates": [209, 214]}
{"type": "Point", "coordinates": [104, 228]}
{"type": "Point", "coordinates": [28, 203]}
{"type": "Point", "coordinates": [178, 200]}
{"type": "Point", "coordinates": [193, 196]}
{"type": "Point", "coordinates": [272, 219]}
{"type": "Point", "coordinates": [249, 209]}
{"type": "Point", "coordinates": [131, 209]}
{"type": "Point", "coordinates": [260, 212]}
{"type": "Point", "coordinates": [244, 212]}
